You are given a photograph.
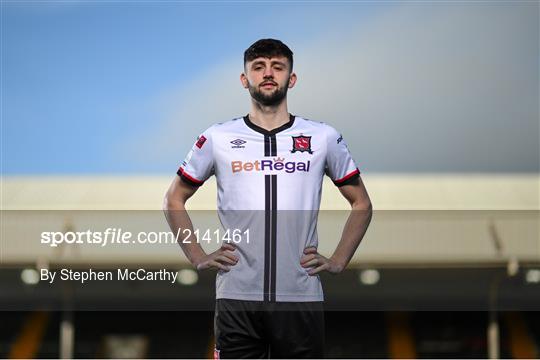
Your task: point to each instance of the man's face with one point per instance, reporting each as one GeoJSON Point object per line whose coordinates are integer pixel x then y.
{"type": "Point", "coordinates": [268, 79]}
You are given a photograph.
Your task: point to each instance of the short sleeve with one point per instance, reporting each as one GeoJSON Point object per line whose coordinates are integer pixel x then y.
{"type": "Point", "coordinates": [340, 166]}
{"type": "Point", "coordinates": [198, 165]}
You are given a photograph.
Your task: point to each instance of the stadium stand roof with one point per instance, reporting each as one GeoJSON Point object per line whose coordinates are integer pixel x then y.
{"type": "Point", "coordinates": [387, 192]}
{"type": "Point", "coordinates": [452, 219]}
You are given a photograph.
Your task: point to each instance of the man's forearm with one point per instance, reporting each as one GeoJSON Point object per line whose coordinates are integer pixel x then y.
{"type": "Point", "coordinates": [178, 218]}
{"type": "Point", "coordinates": [353, 233]}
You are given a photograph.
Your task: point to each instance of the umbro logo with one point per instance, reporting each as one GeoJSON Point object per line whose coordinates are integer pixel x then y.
{"type": "Point", "coordinates": [238, 144]}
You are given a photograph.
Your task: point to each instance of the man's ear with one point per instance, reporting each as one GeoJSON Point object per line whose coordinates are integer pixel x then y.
{"type": "Point", "coordinates": [244, 81]}
{"type": "Point", "coordinates": [292, 80]}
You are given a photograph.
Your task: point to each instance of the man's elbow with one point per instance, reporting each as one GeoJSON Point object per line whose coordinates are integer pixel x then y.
{"type": "Point", "coordinates": [363, 205]}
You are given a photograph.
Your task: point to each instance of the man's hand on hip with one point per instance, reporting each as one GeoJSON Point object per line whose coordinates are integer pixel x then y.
{"type": "Point", "coordinates": [312, 258]}
{"type": "Point", "coordinates": [221, 259]}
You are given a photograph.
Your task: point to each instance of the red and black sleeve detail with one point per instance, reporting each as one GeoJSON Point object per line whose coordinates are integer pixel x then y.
{"type": "Point", "coordinates": [347, 179]}
{"type": "Point", "coordinates": [190, 180]}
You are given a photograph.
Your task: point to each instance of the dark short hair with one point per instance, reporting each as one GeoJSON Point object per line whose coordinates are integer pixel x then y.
{"type": "Point", "coordinates": [268, 48]}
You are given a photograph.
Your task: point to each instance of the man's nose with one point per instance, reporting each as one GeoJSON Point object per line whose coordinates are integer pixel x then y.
{"type": "Point", "coordinates": [268, 73]}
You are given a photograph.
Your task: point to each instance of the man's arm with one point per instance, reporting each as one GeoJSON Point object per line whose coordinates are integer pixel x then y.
{"type": "Point", "coordinates": [353, 232]}
{"type": "Point", "coordinates": [177, 217]}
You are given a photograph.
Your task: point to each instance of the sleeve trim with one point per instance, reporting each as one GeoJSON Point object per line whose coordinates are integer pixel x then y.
{"type": "Point", "coordinates": [188, 178]}
{"type": "Point", "coordinates": [347, 178]}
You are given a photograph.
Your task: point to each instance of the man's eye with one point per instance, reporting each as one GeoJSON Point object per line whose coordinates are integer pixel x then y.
{"type": "Point", "coordinates": [257, 68]}
{"type": "Point", "coordinates": [278, 68]}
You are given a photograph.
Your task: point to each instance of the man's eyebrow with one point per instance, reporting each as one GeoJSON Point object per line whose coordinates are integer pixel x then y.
{"type": "Point", "coordinates": [274, 62]}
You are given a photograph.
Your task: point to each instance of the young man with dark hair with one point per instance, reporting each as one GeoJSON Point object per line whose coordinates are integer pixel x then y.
{"type": "Point", "coordinates": [269, 167]}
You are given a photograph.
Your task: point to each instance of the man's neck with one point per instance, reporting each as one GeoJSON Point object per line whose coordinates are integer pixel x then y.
{"type": "Point", "coordinates": [269, 117]}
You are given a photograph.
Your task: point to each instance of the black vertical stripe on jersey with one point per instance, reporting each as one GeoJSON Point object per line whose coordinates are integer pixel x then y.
{"type": "Point", "coordinates": [273, 239]}
{"type": "Point", "coordinates": [270, 181]}
{"type": "Point", "coordinates": [267, 223]}
{"type": "Point", "coordinates": [273, 226]}
{"type": "Point", "coordinates": [273, 146]}
{"type": "Point", "coordinates": [267, 145]}
{"type": "Point", "coordinates": [270, 225]}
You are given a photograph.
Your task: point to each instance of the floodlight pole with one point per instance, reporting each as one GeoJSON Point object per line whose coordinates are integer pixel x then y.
{"type": "Point", "coordinates": [67, 328]}
{"type": "Point", "coordinates": [67, 335]}
{"type": "Point", "coordinates": [493, 325]}
{"type": "Point", "coordinates": [512, 269]}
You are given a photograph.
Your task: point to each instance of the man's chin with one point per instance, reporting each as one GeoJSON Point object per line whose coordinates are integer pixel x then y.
{"type": "Point", "coordinates": [270, 102]}
{"type": "Point", "coordinates": [269, 99]}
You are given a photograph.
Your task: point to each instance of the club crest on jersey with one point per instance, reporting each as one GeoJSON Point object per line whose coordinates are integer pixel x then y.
{"type": "Point", "coordinates": [200, 141]}
{"type": "Point", "coordinates": [301, 143]}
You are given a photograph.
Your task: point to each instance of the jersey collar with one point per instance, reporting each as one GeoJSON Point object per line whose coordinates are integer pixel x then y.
{"type": "Point", "coordinates": [269, 132]}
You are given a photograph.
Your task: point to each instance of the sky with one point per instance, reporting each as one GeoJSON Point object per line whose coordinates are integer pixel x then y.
{"type": "Point", "coordinates": [126, 87]}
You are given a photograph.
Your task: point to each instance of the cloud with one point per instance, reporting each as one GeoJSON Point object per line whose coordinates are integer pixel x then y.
{"type": "Point", "coordinates": [420, 87]}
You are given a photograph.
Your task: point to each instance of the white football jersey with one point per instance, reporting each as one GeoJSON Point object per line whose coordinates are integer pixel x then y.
{"type": "Point", "coordinates": [269, 182]}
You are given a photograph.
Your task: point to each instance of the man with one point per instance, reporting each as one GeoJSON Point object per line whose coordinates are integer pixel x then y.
{"type": "Point", "coordinates": [269, 167]}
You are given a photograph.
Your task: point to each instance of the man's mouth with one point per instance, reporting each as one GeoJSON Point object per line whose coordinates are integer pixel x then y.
{"type": "Point", "coordinates": [268, 84]}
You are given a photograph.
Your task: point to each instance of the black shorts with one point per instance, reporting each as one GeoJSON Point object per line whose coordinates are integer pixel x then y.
{"type": "Point", "coordinates": [258, 330]}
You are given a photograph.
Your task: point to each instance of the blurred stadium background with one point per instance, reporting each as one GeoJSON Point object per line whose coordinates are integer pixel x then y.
{"type": "Point", "coordinates": [442, 254]}
{"type": "Point", "coordinates": [437, 100]}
